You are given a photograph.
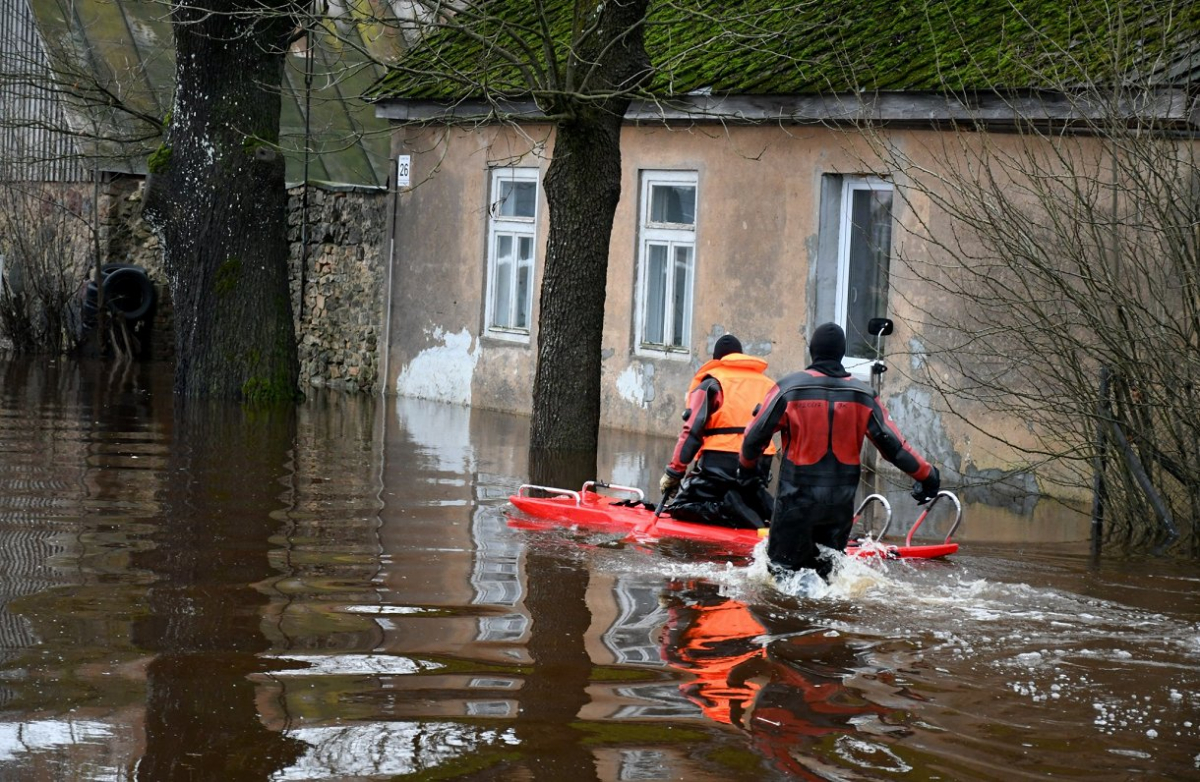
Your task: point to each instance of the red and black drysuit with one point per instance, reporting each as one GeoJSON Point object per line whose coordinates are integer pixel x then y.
{"type": "Point", "coordinates": [822, 415]}
{"type": "Point", "coordinates": [721, 400]}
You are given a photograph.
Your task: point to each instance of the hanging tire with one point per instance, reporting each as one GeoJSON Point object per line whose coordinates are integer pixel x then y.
{"type": "Point", "coordinates": [109, 268]}
{"type": "Point", "coordinates": [128, 291]}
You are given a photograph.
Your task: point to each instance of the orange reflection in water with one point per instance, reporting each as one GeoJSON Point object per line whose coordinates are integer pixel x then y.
{"type": "Point", "coordinates": [786, 693]}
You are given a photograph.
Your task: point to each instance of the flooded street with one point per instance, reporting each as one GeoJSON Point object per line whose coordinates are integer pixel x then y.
{"type": "Point", "coordinates": [204, 593]}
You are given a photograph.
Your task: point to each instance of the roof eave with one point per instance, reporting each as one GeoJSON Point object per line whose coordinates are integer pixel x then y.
{"type": "Point", "coordinates": [1164, 106]}
{"type": "Point", "coordinates": [405, 111]}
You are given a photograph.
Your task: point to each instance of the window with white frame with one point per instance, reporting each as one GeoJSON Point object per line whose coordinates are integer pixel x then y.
{"type": "Point", "coordinates": [854, 254]}
{"type": "Point", "coordinates": [666, 260]}
{"type": "Point", "coordinates": [512, 234]}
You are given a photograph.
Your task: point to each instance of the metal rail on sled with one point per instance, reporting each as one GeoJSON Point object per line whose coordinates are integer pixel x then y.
{"type": "Point", "coordinates": [589, 508]}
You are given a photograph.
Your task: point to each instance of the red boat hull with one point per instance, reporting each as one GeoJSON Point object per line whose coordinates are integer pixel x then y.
{"type": "Point", "coordinates": [603, 512]}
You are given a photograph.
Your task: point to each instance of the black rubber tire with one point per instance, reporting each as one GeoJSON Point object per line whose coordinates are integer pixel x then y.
{"type": "Point", "coordinates": [129, 291]}
{"type": "Point", "coordinates": [109, 268]}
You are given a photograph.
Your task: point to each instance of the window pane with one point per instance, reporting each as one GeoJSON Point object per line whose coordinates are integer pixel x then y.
{"type": "Point", "coordinates": [870, 248]}
{"type": "Point", "coordinates": [502, 284]}
{"type": "Point", "coordinates": [673, 204]}
{"type": "Point", "coordinates": [656, 293]}
{"type": "Point", "coordinates": [683, 267]}
{"type": "Point", "coordinates": [524, 281]}
{"type": "Point", "coordinates": [516, 198]}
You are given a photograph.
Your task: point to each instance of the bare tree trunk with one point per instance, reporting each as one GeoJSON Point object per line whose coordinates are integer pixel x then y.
{"type": "Point", "coordinates": [583, 187]}
{"type": "Point", "coordinates": [219, 203]}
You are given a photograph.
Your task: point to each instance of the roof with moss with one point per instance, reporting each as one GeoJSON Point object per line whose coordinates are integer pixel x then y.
{"type": "Point", "coordinates": [785, 47]}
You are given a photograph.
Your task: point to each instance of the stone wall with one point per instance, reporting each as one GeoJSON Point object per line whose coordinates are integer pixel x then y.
{"type": "Point", "coordinates": [340, 318]}
{"type": "Point", "coordinates": [127, 238]}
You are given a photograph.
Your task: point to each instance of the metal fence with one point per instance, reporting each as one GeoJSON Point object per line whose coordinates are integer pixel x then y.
{"type": "Point", "coordinates": [35, 138]}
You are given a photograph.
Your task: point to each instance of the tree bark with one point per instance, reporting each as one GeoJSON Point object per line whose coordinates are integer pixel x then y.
{"type": "Point", "coordinates": [218, 200]}
{"type": "Point", "coordinates": [583, 187]}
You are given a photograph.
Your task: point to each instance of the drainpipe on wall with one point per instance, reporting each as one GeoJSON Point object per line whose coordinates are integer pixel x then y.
{"type": "Point", "coordinates": [308, 80]}
{"type": "Point", "coordinates": [386, 341]}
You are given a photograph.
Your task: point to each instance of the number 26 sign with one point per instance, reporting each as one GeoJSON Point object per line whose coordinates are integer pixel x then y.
{"type": "Point", "coordinates": [403, 170]}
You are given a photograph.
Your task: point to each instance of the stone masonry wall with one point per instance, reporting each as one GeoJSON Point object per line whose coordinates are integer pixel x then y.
{"type": "Point", "coordinates": [339, 320]}
{"type": "Point", "coordinates": [341, 317]}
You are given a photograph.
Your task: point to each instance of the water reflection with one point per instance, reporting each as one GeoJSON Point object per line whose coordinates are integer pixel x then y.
{"type": "Point", "coordinates": [205, 593]}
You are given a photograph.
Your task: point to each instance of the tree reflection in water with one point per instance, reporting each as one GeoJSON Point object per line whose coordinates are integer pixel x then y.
{"type": "Point", "coordinates": [203, 612]}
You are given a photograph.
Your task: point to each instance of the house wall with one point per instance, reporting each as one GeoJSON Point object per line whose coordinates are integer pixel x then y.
{"type": "Point", "coordinates": [756, 242]}
{"type": "Point", "coordinates": [755, 233]}
{"type": "Point", "coordinates": [759, 238]}
{"type": "Point", "coordinates": [438, 275]}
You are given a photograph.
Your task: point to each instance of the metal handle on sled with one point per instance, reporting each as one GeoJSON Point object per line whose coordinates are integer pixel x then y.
{"type": "Point", "coordinates": [593, 485]}
{"type": "Point", "coordinates": [524, 489]}
{"type": "Point", "coordinates": [887, 507]}
{"type": "Point", "coordinates": [929, 507]}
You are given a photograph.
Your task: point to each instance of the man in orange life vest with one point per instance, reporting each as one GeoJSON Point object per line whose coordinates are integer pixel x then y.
{"type": "Point", "coordinates": [822, 415]}
{"type": "Point", "coordinates": [721, 400]}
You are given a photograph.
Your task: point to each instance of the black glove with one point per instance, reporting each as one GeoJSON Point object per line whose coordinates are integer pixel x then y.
{"type": "Point", "coordinates": [926, 490]}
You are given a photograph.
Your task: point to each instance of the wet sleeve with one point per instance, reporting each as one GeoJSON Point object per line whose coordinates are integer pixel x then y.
{"type": "Point", "coordinates": [760, 430]}
{"type": "Point", "coordinates": [702, 402]}
{"type": "Point", "coordinates": [883, 434]}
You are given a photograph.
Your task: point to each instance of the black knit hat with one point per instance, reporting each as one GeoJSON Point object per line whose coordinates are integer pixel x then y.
{"type": "Point", "coordinates": [725, 345]}
{"type": "Point", "coordinates": [828, 343]}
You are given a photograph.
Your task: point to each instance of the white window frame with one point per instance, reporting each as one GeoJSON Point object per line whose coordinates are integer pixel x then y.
{"type": "Point", "coordinates": [516, 228]}
{"type": "Point", "coordinates": [859, 366]}
{"type": "Point", "coordinates": [674, 236]}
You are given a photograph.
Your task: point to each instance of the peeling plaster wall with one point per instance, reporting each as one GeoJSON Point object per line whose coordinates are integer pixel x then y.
{"type": "Point", "coordinates": [756, 207]}
{"type": "Point", "coordinates": [995, 466]}
{"type": "Point", "coordinates": [758, 214]}
{"type": "Point", "coordinates": [437, 346]}
{"type": "Point", "coordinates": [636, 384]}
{"type": "Point", "coordinates": [442, 372]}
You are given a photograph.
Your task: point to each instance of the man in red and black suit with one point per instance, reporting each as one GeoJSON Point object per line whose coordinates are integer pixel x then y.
{"type": "Point", "coordinates": [822, 415]}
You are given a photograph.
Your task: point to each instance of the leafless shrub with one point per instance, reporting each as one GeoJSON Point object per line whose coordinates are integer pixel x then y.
{"type": "Point", "coordinates": [1053, 249]}
{"type": "Point", "coordinates": [44, 244]}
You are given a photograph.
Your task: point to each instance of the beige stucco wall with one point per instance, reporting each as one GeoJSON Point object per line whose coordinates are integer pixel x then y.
{"type": "Point", "coordinates": [758, 212]}
{"type": "Point", "coordinates": [438, 274]}
{"type": "Point", "coordinates": [756, 232]}
{"type": "Point", "coordinates": [756, 240]}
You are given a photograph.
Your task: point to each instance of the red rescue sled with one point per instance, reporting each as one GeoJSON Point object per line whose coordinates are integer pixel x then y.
{"type": "Point", "coordinates": [589, 508]}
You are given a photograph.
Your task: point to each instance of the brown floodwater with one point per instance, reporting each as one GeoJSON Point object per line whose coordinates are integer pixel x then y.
{"type": "Point", "coordinates": [197, 592]}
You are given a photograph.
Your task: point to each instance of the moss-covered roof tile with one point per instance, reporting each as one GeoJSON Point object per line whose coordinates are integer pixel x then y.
{"type": "Point", "coordinates": [764, 47]}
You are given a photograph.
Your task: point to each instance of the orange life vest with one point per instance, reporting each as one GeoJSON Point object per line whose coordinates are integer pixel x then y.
{"type": "Point", "coordinates": [743, 387]}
